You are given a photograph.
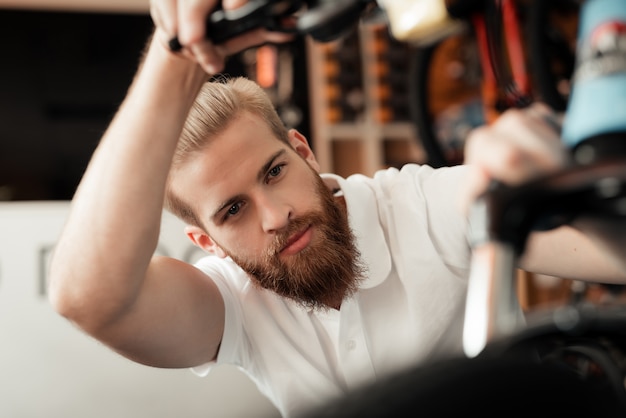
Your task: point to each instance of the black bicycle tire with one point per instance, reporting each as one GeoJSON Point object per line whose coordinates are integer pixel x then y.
{"type": "Point", "coordinates": [538, 43]}
{"type": "Point", "coordinates": [421, 116]}
{"type": "Point", "coordinates": [545, 82]}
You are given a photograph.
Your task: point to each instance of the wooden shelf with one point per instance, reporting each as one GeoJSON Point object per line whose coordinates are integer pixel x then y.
{"type": "Point", "coordinates": [354, 127]}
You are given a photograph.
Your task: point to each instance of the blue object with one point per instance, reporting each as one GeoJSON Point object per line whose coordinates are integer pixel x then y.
{"type": "Point", "coordinates": [597, 104]}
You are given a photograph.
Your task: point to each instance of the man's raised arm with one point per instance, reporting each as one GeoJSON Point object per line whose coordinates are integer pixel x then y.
{"type": "Point", "coordinates": [103, 277]}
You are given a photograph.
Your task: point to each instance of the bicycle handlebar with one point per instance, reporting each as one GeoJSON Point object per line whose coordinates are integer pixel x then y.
{"type": "Point", "coordinates": [595, 185]}
{"type": "Point", "coordinates": [323, 20]}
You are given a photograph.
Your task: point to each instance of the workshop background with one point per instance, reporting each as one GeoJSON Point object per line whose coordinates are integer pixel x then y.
{"type": "Point", "coordinates": [66, 66]}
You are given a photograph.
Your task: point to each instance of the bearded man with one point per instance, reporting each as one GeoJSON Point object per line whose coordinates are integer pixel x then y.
{"type": "Point", "coordinates": [314, 285]}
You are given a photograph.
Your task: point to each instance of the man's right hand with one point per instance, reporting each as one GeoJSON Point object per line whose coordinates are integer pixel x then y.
{"type": "Point", "coordinates": [186, 21]}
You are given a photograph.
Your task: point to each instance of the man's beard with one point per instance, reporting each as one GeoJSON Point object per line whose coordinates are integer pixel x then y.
{"type": "Point", "coordinates": [321, 275]}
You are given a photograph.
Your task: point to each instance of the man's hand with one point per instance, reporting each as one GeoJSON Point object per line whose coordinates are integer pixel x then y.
{"type": "Point", "coordinates": [523, 145]}
{"type": "Point", "coordinates": [186, 20]}
{"type": "Point", "coordinates": [520, 145]}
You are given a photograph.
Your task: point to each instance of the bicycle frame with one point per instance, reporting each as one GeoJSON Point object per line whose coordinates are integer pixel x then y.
{"type": "Point", "coordinates": [500, 91]}
{"type": "Point", "coordinates": [504, 218]}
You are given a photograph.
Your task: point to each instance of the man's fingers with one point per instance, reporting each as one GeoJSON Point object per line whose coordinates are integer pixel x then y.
{"type": "Point", "coordinates": [253, 38]}
{"type": "Point", "coordinates": [547, 115]}
{"type": "Point", "coordinates": [164, 16]}
{"type": "Point", "coordinates": [503, 161]}
{"type": "Point", "coordinates": [517, 135]}
{"type": "Point", "coordinates": [183, 30]}
{"type": "Point", "coordinates": [192, 16]}
{"type": "Point", "coordinates": [521, 145]}
{"type": "Point", "coordinates": [210, 57]}
{"type": "Point", "coordinates": [233, 4]}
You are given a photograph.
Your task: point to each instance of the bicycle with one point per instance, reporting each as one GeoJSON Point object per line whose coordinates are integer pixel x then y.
{"type": "Point", "coordinates": [518, 52]}
{"type": "Point", "coordinates": [579, 342]}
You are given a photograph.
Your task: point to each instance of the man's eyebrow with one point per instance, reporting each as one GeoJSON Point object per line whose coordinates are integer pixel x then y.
{"type": "Point", "coordinates": [270, 161]}
{"type": "Point", "coordinates": [260, 176]}
{"type": "Point", "coordinates": [228, 203]}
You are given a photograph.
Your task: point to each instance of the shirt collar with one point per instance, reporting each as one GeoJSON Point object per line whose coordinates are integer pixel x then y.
{"type": "Point", "coordinates": [365, 224]}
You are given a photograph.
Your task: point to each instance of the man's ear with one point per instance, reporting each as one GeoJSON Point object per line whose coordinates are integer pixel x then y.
{"type": "Point", "coordinates": [301, 145]}
{"type": "Point", "coordinates": [203, 240]}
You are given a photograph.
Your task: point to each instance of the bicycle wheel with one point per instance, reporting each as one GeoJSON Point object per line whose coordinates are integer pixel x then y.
{"type": "Point", "coordinates": [444, 91]}
{"type": "Point", "coordinates": [551, 32]}
{"type": "Point", "coordinates": [550, 37]}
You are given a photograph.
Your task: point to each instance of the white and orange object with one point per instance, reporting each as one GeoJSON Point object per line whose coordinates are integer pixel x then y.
{"type": "Point", "coordinates": [420, 21]}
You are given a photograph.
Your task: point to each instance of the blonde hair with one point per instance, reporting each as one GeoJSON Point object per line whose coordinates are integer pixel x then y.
{"type": "Point", "coordinates": [218, 103]}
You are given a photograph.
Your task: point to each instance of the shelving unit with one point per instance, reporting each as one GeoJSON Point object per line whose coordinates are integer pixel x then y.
{"type": "Point", "coordinates": [359, 102]}
{"type": "Point", "coordinates": [360, 122]}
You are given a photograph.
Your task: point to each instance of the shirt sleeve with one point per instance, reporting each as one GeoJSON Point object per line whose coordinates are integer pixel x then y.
{"type": "Point", "coordinates": [232, 347]}
{"type": "Point", "coordinates": [440, 191]}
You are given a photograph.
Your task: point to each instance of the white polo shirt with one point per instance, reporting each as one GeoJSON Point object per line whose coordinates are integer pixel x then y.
{"type": "Point", "coordinates": [410, 308]}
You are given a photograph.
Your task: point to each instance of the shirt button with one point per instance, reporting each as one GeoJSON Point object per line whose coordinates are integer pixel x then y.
{"type": "Point", "coordinates": [350, 345]}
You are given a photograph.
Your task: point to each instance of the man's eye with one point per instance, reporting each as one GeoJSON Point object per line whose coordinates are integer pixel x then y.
{"type": "Point", "coordinates": [275, 171]}
{"type": "Point", "coordinates": [233, 210]}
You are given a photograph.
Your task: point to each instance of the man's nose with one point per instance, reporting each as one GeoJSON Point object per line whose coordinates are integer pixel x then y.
{"type": "Point", "coordinates": [274, 213]}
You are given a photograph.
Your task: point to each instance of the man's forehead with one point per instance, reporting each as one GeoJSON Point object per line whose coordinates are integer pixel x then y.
{"type": "Point", "coordinates": [212, 178]}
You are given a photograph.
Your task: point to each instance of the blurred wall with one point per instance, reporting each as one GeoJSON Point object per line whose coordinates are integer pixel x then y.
{"type": "Point", "coordinates": [63, 76]}
{"type": "Point", "coordinates": [50, 369]}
